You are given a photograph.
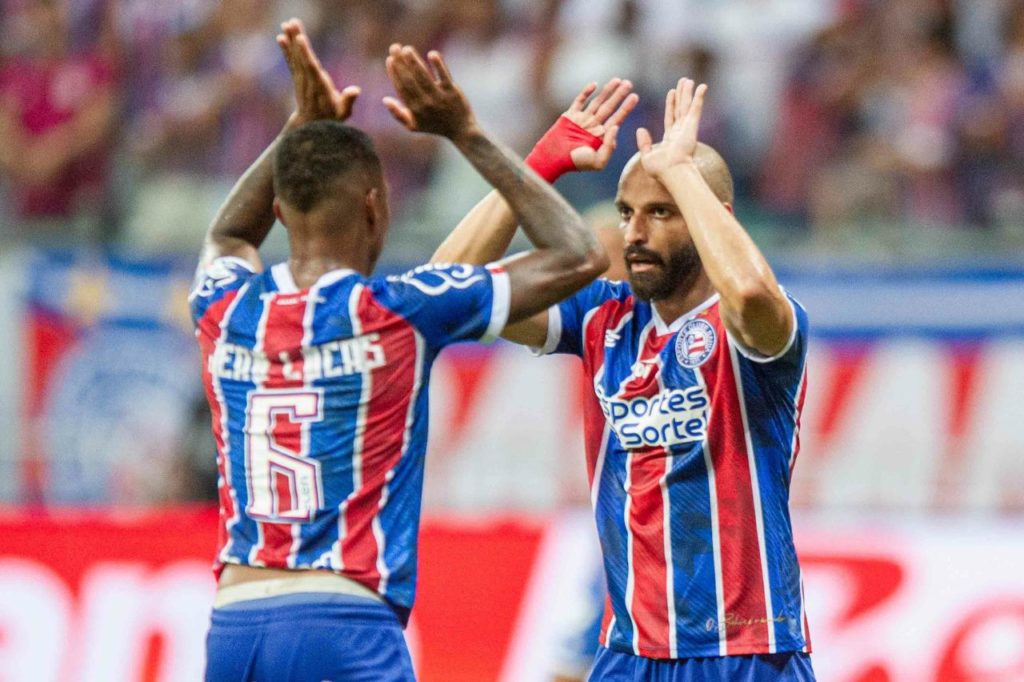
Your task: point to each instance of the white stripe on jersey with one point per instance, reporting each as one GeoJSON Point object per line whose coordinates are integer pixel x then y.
{"type": "Point", "coordinates": [670, 588]}
{"type": "Point", "coordinates": [630, 571]}
{"type": "Point", "coordinates": [756, 489]}
{"type": "Point", "coordinates": [716, 539]}
{"type": "Point", "coordinates": [360, 429]}
{"type": "Point", "coordinates": [312, 298]}
{"type": "Point", "coordinates": [796, 418]}
{"type": "Point", "coordinates": [630, 577]}
{"type": "Point", "coordinates": [261, 337]}
{"type": "Point", "coordinates": [410, 418]}
{"type": "Point", "coordinates": [225, 432]}
{"type": "Point", "coordinates": [595, 487]}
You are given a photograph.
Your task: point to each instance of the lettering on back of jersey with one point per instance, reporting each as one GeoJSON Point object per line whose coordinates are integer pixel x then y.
{"type": "Point", "coordinates": [672, 417]}
{"type": "Point", "coordinates": [329, 360]}
{"type": "Point", "coordinates": [435, 279]}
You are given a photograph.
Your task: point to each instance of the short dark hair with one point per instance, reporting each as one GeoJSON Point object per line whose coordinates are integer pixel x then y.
{"type": "Point", "coordinates": [310, 159]}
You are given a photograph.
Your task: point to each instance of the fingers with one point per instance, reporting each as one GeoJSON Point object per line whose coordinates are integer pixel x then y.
{"type": "Point", "coordinates": [614, 101]}
{"type": "Point", "coordinates": [405, 86]}
{"type": "Point", "coordinates": [697, 106]}
{"type": "Point", "coordinates": [684, 96]}
{"type": "Point", "coordinates": [400, 113]}
{"type": "Point", "coordinates": [408, 73]}
{"type": "Point", "coordinates": [670, 109]}
{"type": "Point", "coordinates": [624, 110]}
{"type": "Point", "coordinates": [444, 74]}
{"type": "Point", "coordinates": [418, 68]}
{"type": "Point", "coordinates": [581, 99]}
{"type": "Point", "coordinates": [607, 91]}
{"type": "Point", "coordinates": [643, 140]}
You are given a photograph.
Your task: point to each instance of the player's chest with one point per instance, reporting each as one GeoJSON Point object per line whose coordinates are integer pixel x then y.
{"type": "Point", "coordinates": [655, 389]}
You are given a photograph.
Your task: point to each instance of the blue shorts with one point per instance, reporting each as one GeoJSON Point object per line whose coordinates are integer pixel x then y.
{"type": "Point", "coordinates": [615, 666]}
{"type": "Point", "coordinates": [307, 637]}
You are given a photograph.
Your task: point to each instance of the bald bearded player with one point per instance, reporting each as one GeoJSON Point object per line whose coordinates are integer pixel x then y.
{"type": "Point", "coordinates": [697, 366]}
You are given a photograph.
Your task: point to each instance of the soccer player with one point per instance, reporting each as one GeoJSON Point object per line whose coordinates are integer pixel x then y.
{"type": "Point", "coordinates": [697, 365]}
{"type": "Point", "coordinates": [317, 373]}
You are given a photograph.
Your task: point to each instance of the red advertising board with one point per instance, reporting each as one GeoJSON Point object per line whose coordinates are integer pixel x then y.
{"type": "Point", "coordinates": [97, 596]}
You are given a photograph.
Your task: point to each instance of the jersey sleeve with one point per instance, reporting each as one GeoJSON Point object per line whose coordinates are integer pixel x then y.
{"type": "Point", "coordinates": [794, 352]}
{"type": "Point", "coordinates": [450, 303]}
{"type": "Point", "coordinates": [214, 281]}
{"type": "Point", "coordinates": [568, 319]}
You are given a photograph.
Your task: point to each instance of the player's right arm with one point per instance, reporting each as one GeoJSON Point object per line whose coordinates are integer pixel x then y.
{"type": "Point", "coordinates": [567, 255]}
{"type": "Point", "coordinates": [583, 139]}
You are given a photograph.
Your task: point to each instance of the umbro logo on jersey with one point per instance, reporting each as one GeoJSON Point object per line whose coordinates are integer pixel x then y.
{"type": "Point", "coordinates": [695, 343]}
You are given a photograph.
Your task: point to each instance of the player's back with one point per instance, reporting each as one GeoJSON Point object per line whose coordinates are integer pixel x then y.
{"type": "Point", "coordinates": [319, 401]}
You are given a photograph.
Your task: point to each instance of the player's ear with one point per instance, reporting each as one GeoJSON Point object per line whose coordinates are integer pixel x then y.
{"type": "Point", "coordinates": [277, 210]}
{"type": "Point", "coordinates": [375, 210]}
{"type": "Point", "coordinates": [729, 207]}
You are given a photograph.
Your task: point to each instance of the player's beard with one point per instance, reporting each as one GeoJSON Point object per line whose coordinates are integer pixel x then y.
{"type": "Point", "coordinates": [682, 269]}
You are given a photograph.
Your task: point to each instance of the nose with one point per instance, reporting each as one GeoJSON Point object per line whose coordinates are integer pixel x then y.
{"type": "Point", "coordinates": [635, 231]}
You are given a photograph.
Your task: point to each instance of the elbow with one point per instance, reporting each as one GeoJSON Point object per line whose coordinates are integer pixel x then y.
{"type": "Point", "coordinates": [595, 261]}
{"type": "Point", "coordinates": [751, 296]}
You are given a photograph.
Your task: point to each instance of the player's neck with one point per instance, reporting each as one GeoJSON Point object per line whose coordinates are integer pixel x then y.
{"type": "Point", "coordinates": [313, 255]}
{"type": "Point", "coordinates": [679, 303]}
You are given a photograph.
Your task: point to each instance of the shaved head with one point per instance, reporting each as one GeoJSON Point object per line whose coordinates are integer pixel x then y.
{"type": "Point", "coordinates": [712, 168]}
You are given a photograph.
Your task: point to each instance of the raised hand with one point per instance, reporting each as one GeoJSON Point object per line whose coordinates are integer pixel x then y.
{"type": "Point", "coordinates": [683, 108]}
{"type": "Point", "coordinates": [316, 97]}
{"type": "Point", "coordinates": [601, 117]}
{"type": "Point", "coordinates": [429, 100]}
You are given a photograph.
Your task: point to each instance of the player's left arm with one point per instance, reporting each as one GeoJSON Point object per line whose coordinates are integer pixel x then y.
{"type": "Point", "coordinates": [245, 218]}
{"type": "Point", "coordinates": [754, 308]}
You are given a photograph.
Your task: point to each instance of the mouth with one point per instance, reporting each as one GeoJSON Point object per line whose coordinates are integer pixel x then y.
{"type": "Point", "coordinates": [641, 264]}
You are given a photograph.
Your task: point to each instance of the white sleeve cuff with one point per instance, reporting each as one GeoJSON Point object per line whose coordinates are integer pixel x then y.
{"type": "Point", "coordinates": [501, 296]}
{"type": "Point", "coordinates": [761, 358]}
{"type": "Point", "coordinates": [554, 333]}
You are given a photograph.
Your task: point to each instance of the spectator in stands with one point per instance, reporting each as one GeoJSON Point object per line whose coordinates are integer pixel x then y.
{"type": "Point", "coordinates": [353, 55]}
{"type": "Point", "coordinates": [57, 112]}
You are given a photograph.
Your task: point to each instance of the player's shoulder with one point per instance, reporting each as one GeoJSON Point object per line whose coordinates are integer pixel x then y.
{"type": "Point", "coordinates": [221, 274]}
{"type": "Point", "coordinates": [430, 279]}
{"type": "Point", "coordinates": [605, 291]}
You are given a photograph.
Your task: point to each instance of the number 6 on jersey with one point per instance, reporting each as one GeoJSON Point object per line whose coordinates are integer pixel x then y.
{"type": "Point", "coordinates": [284, 483]}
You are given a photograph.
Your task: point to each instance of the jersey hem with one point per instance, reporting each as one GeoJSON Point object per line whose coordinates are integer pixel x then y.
{"type": "Point", "coordinates": [712, 651]}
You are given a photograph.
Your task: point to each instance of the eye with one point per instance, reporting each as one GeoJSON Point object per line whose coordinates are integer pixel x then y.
{"type": "Point", "coordinates": [625, 212]}
{"type": "Point", "coordinates": [661, 212]}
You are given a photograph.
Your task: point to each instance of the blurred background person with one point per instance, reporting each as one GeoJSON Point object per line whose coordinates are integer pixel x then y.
{"type": "Point", "coordinates": [58, 111]}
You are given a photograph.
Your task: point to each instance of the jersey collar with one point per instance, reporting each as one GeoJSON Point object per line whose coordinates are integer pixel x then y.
{"type": "Point", "coordinates": [282, 276]}
{"type": "Point", "coordinates": [660, 328]}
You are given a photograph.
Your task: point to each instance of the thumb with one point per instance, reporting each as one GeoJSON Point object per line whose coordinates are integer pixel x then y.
{"type": "Point", "coordinates": [607, 148]}
{"type": "Point", "coordinates": [400, 113]}
{"type": "Point", "coordinates": [643, 140]}
{"type": "Point", "coordinates": [344, 100]}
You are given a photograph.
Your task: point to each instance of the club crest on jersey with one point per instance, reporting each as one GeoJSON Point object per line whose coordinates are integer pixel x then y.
{"type": "Point", "coordinates": [695, 343]}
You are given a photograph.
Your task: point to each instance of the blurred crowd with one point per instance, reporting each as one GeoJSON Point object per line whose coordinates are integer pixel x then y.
{"type": "Point", "coordinates": [126, 121]}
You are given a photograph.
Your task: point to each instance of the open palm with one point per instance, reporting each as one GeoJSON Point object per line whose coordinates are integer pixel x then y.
{"type": "Point", "coordinates": [683, 106]}
{"type": "Point", "coordinates": [601, 118]}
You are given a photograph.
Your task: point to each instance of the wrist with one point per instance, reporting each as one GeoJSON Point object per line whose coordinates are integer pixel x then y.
{"type": "Point", "coordinates": [683, 171]}
{"type": "Point", "coordinates": [466, 135]}
{"type": "Point", "coordinates": [551, 157]}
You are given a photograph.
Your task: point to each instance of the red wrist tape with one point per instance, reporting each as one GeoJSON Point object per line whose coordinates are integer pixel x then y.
{"type": "Point", "coordinates": [551, 157]}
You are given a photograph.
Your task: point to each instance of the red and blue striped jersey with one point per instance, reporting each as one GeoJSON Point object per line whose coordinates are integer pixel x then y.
{"type": "Point", "coordinates": [319, 409]}
{"type": "Point", "coordinates": [691, 441]}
